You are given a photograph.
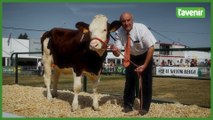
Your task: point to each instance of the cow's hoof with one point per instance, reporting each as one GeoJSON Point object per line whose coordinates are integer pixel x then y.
{"type": "Point", "coordinates": [96, 108]}
{"type": "Point", "coordinates": [49, 97]}
{"type": "Point", "coordinates": [55, 95]}
{"type": "Point", "coordinates": [74, 108]}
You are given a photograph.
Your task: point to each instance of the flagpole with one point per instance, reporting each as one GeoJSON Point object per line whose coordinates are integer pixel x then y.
{"type": "Point", "coordinates": [9, 44]}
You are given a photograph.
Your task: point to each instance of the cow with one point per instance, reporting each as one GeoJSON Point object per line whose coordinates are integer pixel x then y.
{"type": "Point", "coordinates": [81, 51]}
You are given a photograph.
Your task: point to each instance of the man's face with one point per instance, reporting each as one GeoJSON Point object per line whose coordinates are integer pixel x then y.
{"type": "Point", "coordinates": [127, 22]}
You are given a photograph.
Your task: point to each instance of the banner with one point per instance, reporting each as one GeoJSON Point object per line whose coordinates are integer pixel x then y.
{"type": "Point", "coordinates": [177, 71]}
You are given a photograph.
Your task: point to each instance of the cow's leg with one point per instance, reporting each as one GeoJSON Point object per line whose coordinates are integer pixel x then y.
{"type": "Point", "coordinates": [95, 95]}
{"type": "Point", "coordinates": [47, 59]}
{"type": "Point", "coordinates": [77, 89]}
{"type": "Point", "coordinates": [55, 80]}
{"type": "Point", "coordinates": [47, 80]}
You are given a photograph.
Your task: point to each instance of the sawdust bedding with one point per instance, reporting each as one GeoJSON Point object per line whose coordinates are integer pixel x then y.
{"type": "Point", "coordinates": [31, 102]}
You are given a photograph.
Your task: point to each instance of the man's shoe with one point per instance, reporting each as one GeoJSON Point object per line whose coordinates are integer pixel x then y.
{"type": "Point", "coordinates": [127, 109]}
{"type": "Point", "coordinates": [142, 112]}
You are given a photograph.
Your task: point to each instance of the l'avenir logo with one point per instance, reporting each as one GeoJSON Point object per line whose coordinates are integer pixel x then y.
{"type": "Point", "coordinates": [190, 12]}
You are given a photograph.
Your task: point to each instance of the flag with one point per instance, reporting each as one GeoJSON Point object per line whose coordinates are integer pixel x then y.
{"type": "Point", "coordinates": [8, 41]}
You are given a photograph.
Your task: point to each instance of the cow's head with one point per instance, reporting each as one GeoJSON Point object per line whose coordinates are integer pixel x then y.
{"type": "Point", "coordinates": [99, 30]}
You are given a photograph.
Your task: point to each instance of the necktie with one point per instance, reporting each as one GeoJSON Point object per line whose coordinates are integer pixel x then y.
{"type": "Point", "coordinates": [127, 52]}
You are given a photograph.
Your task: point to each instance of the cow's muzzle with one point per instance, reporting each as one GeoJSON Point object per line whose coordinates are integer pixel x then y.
{"type": "Point", "coordinates": [103, 43]}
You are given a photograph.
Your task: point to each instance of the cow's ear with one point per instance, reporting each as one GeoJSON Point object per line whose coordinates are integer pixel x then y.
{"type": "Point", "coordinates": [114, 26]}
{"type": "Point", "coordinates": [84, 27]}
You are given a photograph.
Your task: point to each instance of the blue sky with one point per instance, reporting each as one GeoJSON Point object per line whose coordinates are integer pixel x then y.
{"type": "Point", "coordinates": [161, 17]}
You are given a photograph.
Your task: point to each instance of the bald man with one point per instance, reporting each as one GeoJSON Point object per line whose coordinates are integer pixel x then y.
{"type": "Point", "coordinates": [141, 53]}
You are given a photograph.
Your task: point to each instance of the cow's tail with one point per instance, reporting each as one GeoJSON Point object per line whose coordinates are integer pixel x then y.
{"type": "Point", "coordinates": [47, 34]}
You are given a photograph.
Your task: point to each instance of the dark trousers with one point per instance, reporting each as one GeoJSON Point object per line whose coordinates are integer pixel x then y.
{"type": "Point", "coordinates": [131, 89]}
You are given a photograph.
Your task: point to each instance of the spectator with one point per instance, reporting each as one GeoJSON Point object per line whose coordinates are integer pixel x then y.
{"type": "Point", "coordinates": [206, 62]}
{"type": "Point", "coordinates": [193, 63]}
{"type": "Point", "coordinates": [170, 63]}
{"type": "Point", "coordinates": [187, 63]}
{"type": "Point", "coordinates": [163, 63]}
{"type": "Point", "coordinates": [182, 63]}
{"type": "Point", "coordinates": [209, 62]}
{"type": "Point", "coordinates": [40, 68]}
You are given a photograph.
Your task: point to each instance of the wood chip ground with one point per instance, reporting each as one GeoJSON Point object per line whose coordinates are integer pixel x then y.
{"type": "Point", "coordinates": [31, 102]}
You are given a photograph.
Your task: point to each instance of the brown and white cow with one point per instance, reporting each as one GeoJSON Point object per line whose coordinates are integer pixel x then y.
{"type": "Point", "coordinates": [81, 51]}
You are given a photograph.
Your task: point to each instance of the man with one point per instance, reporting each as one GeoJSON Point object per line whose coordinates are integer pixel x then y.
{"type": "Point", "coordinates": [39, 66]}
{"type": "Point", "coordinates": [140, 62]}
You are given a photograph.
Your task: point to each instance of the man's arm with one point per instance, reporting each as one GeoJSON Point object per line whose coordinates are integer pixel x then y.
{"type": "Point", "coordinates": [147, 60]}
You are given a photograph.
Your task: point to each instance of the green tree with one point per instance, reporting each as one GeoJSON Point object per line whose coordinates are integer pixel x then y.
{"type": "Point", "coordinates": [23, 36]}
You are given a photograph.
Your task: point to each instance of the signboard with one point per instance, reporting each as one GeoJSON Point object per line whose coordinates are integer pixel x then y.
{"type": "Point", "coordinates": [177, 71]}
{"type": "Point", "coordinates": [35, 46]}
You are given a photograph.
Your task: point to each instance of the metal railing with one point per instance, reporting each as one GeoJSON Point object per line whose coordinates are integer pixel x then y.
{"type": "Point", "coordinates": [16, 62]}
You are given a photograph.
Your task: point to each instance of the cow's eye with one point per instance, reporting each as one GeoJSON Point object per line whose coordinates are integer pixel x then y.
{"type": "Point", "coordinates": [105, 30]}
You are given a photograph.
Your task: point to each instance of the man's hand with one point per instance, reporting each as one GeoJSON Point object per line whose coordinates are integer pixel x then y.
{"type": "Point", "coordinates": [140, 69]}
{"type": "Point", "coordinates": [115, 50]}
